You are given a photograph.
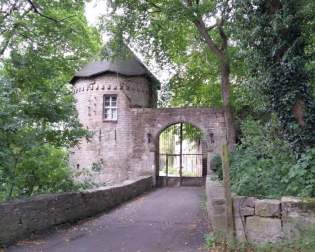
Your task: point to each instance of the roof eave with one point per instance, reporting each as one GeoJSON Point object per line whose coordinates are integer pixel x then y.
{"type": "Point", "coordinates": [150, 76]}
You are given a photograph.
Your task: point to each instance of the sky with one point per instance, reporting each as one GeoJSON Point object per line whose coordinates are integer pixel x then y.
{"type": "Point", "coordinates": [95, 8]}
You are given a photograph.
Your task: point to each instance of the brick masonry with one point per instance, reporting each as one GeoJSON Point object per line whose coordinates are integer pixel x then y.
{"type": "Point", "coordinates": [127, 148]}
{"type": "Point", "coordinates": [23, 217]}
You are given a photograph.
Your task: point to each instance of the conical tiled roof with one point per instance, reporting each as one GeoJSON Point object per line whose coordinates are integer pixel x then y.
{"type": "Point", "coordinates": [129, 67]}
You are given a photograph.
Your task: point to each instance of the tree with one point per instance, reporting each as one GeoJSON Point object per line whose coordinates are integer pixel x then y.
{"type": "Point", "coordinates": [276, 37]}
{"type": "Point", "coordinates": [167, 30]}
{"type": "Point", "coordinates": [43, 42]}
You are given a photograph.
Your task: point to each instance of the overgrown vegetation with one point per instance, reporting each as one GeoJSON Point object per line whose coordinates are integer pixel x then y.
{"type": "Point", "coordinates": [303, 243]}
{"type": "Point", "coordinates": [263, 165]}
{"type": "Point", "coordinates": [254, 55]}
{"type": "Point", "coordinates": [273, 37]}
{"type": "Point", "coordinates": [271, 61]}
{"type": "Point", "coordinates": [276, 153]}
{"type": "Point", "coordinates": [42, 43]}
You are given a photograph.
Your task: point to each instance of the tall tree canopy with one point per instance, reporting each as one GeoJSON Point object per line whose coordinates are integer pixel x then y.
{"type": "Point", "coordinates": [176, 30]}
{"type": "Point", "coordinates": [42, 43]}
{"type": "Point", "coordinates": [276, 38]}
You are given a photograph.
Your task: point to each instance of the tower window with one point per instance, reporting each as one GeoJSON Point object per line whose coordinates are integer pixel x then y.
{"type": "Point", "coordinates": [110, 107]}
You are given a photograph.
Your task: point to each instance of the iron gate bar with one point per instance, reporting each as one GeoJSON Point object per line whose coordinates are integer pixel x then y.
{"type": "Point", "coordinates": [166, 170]}
{"type": "Point", "coordinates": [181, 153]}
{"type": "Point", "coordinates": [178, 164]}
{"type": "Point", "coordinates": [192, 165]}
{"type": "Point", "coordinates": [184, 154]}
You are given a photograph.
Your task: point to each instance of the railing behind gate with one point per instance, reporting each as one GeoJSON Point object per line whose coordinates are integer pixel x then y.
{"type": "Point", "coordinates": [185, 165]}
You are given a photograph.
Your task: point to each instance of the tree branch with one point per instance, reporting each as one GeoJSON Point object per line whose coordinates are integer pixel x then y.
{"type": "Point", "coordinates": [203, 30]}
{"type": "Point", "coordinates": [223, 36]}
{"type": "Point", "coordinates": [4, 46]}
{"type": "Point", "coordinates": [211, 44]}
{"type": "Point", "coordinates": [209, 28]}
{"type": "Point", "coordinates": [37, 11]}
{"type": "Point", "coordinates": [154, 5]}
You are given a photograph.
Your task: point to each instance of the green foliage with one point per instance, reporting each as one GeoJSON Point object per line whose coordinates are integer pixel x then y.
{"type": "Point", "coordinates": [209, 240]}
{"type": "Point", "coordinates": [38, 170]}
{"type": "Point", "coordinates": [275, 41]}
{"type": "Point", "coordinates": [97, 167]}
{"type": "Point", "coordinates": [166, 31]}
{"type": "Point", "coordinates": [264, 166]}
{"type": "Point", "coordinates": [304, 243]}
{"type": "Point", "coordinates": [42, 46]}
{"type": "Point", "coordinates": [216, 166]}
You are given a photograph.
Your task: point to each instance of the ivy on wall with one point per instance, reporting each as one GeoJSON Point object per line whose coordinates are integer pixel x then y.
{"type": "Point", "coordinates": [272, 35]}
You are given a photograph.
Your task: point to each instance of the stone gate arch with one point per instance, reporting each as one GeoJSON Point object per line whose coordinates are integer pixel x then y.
{"type": "Point", "coordinates": [149, 123]}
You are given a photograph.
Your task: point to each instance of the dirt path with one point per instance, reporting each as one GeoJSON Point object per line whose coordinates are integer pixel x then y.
{"type": "Point", "coordinates": [165, 220]}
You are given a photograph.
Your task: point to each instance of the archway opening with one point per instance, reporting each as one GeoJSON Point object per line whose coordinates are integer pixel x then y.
{"type": "Point", "coordinates": [182, 157]}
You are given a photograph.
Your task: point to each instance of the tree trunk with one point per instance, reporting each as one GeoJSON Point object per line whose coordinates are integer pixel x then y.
{"type": "Point", "coordinates": [222, 55]}
{"type": "Point", "coordinates": [225, 86]}
{"type": "Point", "coordinates": [229, 221]}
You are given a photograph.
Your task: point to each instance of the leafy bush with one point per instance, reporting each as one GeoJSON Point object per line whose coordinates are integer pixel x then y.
{"type": "Point", "coordinates": [216, 166]}
{"type": "Point", "coordinates": [39, 170]}
{"type": "Point", "coordinates": [264, 166]}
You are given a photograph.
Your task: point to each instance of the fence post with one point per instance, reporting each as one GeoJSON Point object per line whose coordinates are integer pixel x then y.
{"type": "Point", "coordinates": [181, 154]}
{"type": "Point", "coordinates": [166, 170]}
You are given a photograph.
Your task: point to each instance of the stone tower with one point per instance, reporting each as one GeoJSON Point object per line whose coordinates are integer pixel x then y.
{"type": "Point", "coordinates": [106, 93]}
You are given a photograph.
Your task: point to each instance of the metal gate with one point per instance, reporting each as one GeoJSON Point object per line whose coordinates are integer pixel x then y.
{"type": "Point", "coordinates": [180, 153]}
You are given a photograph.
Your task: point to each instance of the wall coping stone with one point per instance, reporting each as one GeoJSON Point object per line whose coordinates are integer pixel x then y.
{"type": "Point", "coordinates": [260, 220]}
{"type": "Point", "coordinates": [22, 217]}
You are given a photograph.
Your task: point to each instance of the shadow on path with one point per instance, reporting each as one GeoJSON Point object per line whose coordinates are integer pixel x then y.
{"type": "Point", "coordinates": [165, 220]}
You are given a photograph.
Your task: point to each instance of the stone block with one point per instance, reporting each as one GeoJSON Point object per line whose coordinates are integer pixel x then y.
{"type": "Point", "coordinates": [22, 217]}
{"type": "Point", "coordinates": [249, 202]}
{"type": "Point", "coordinates": [267, 208]}
{"type": "Point", "coordinates": [297, 216]}
{"type": "Point", "coordinates": [243, 206]}
{"type": "Point", "coordinates": [263, 230]}
{"type": "Point", "coordinates": [240, 229]}
{"type": "Point", "coordinates": [247, 211]}
{"type": "Point", "coordinates": [218, 223]}
{"type": "Point", "coordinates": [289, 203]}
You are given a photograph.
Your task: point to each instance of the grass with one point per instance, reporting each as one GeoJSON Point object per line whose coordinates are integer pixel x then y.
{"type": "Point", "coordinates": [306, 243]}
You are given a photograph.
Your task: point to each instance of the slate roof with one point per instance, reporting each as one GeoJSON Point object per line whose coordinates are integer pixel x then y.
{"type": "Point", "coordinates": [130, 67]}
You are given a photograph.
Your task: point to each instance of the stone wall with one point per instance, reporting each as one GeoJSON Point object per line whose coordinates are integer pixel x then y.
{"type": "Point", "coordinates": [148, 123]}
{"type": "Point", "coordinates": [20, 218]}
{"type": "Point", "coordinates": [215, 204]}
{"type": "Point", "coordinates": [271, 220]}
{"type": "Point", "coordinates": [128, 148]}
{"type": "Point", "coordinates": [260, 220]}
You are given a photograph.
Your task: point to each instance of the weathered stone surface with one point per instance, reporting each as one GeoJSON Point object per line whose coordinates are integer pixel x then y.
{"type": "Point", "coordinates": [247, 211]}
{"type": "Point", "coordinates": [267, 208]}
{"type": "Point", "coordinates": [297, 215]}
{"type": "Point", "coordinates": [243, 206]}
{"type": "Point", "coordinates": [250, 202]}
{"type": "Point", "coordinates": [215, 204]}
{"type": "Point", "coordinates": [263, 230]}
{"type": "Point", "coordinates": [240, 228]}
{"type": "Point", "coordinates": [20, 218]}
{"type": "Point", "coordinates": [261, 221]}
{"type": "Point", "coordinates": [125, 149]}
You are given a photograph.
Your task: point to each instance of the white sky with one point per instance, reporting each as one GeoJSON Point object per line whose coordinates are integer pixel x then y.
{"type": "Point", "coordinates": [95, 8]}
